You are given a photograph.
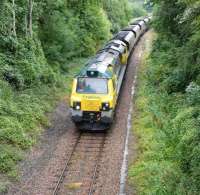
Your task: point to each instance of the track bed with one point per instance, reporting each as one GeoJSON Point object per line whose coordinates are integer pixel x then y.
{"type": "Point", "coordinates": [81, 169]}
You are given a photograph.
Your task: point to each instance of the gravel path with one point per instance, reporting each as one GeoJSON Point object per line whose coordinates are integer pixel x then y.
{"type": "Point", "coordinates": [45, 162]}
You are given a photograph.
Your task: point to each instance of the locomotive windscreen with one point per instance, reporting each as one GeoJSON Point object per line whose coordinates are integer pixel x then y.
{"type": "Point", "coordinates": [92, 86]}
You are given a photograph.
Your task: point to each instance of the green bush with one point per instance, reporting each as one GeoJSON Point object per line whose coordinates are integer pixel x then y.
{"type": "Point", "coordinates": [8, 157]}
{"type": "Point", "coordinates": [167, 127]}
{"type": "Point", "coordinates": [138, 10]}
{"type": "Point", "coordinates": [94, 30]}
{"type": "Point", "coordinates": [119, 13]}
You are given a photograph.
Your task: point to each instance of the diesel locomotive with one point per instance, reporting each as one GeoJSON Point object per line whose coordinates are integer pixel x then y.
{"type": "Point", "coordinates": [96, 88]}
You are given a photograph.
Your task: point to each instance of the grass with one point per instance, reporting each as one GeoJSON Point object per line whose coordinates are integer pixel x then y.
{"type": "Point", "coordinates": [23, 118]}
{"type": "Point", "coordinates": [142, 170]}
{"type": "Point", "coordinates": [154, 171]}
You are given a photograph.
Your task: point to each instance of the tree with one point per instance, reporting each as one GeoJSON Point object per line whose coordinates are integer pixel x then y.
{"type": "Point", "coordinates": [14, 18]}
{"type": "Point", "coordinates": [30, 10]}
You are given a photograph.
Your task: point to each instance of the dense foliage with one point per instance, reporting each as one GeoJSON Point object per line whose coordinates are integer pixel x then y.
{"type": "Point", "coordinates": [42, 43]}
{"type": "Point", "coordinates": [140, 8]}
{"type": "Point", "coordinates": [168, 103]}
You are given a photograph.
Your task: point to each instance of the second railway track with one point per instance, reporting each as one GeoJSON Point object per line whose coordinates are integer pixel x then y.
{"type": "Point", "coordinates": [81, 168]}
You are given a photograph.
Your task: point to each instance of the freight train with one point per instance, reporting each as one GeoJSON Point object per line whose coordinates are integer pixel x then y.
{"type": "Point", "coordinates": [95, 90]}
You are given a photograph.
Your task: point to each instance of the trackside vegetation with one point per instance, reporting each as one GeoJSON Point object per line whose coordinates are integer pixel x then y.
{"type": "Point", "coordinates": [167, 121]}
{"type": "Point", "coordinates": [42, 45]}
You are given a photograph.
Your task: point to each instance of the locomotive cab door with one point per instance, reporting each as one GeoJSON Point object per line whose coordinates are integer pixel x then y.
{"type": "Point", "coordinates": [114, 90]}
{"type": "Point", "coordinates": [125, 56]}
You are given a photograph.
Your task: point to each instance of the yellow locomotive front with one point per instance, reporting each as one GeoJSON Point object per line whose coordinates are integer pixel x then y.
{"type": "Point", "coordinates": [93, 100]}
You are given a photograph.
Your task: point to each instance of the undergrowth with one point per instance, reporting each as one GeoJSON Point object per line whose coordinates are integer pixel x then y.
{"type": "Point", "coordinates": [166, 124]}
{"type": "Point", "coordinates": [23, 116]}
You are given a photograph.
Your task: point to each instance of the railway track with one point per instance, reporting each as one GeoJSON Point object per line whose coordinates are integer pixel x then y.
{"type": "Point", "coordinates": [81, 168]}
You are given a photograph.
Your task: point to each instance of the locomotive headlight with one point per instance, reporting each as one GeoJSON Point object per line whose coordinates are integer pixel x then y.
{"type": "Point", "coordinates": [76, 105]}
{"type": "Point", "coordinates": [105, 106]}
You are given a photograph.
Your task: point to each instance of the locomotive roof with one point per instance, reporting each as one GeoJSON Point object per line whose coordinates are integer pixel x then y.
{"type": "Point", "coordinates": [116, 45]}
{"type": "Point", "coordinates": [117, 42]}
{"type": "Point", "coordinates": [121, 34]}
{"type": "Point", "coordinates": [131, 28]}
{"type": "Point", "coordinates": [124, 35]}
{"type": "Point", "coordinates": [137, 20]}
{"type": "Point", "coordinates": [109, 50]}
{"type": "Point", "coordinates": [99, 64]}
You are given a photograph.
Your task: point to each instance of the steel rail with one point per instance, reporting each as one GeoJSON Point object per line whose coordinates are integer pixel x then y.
{"type": "Point", "coordinates": [95, 170]}
{"type": "Point", "coordinates": [91, 189]}
{"type": "Point", "coordinates": [56, 189]}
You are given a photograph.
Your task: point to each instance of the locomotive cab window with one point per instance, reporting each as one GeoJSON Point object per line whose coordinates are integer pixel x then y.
{"type": "Point", "coordinates": [92, 86]}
